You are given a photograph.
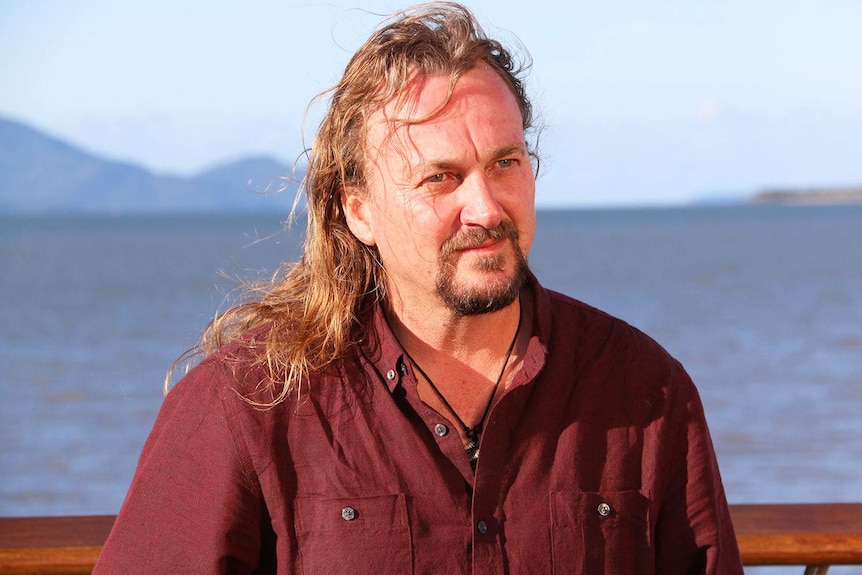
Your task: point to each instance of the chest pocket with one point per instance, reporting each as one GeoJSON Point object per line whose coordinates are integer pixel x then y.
{"type": "Point", "coordinates": [359, 535]}
{"type": "Point", "coordinates": [601, 533]}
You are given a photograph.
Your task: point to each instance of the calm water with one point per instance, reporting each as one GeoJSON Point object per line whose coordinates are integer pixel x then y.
{"type": "Point", "coordinates": [762, 304]}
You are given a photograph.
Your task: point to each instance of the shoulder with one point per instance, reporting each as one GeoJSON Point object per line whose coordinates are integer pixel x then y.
{"type": "Point", "coordinates": [600, 347]}
{"type": "Point", "coordinates": [596, 330]}
{"type": "Point", "coordinates": [236, 368]}
{"type": "Point", "coordinates": [611, 373]}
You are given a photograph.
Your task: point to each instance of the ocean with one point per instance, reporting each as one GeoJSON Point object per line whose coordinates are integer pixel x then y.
{"type": "Point", "coordinates": [761, 303]}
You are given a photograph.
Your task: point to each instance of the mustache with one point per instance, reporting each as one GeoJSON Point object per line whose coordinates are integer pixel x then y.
{"type": "Point", "coordinates": [475, 237]}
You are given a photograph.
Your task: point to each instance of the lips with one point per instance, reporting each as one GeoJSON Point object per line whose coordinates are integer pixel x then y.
{"type": "Point", "coordinates": [486, 245]}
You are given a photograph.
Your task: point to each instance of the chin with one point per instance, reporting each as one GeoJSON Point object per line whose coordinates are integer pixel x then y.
{"type": "Point", "coordinates": [484, 292]}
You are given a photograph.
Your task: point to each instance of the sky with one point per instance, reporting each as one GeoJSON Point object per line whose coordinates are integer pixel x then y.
{"type": "Point", "coordinates": [640, 102]}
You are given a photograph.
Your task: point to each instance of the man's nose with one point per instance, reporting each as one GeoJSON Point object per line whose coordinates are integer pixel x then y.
{"type": "Point", "coordinates": [479, 205]}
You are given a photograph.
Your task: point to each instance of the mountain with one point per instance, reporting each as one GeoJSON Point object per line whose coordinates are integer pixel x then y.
{"type": "Point", "coordinates": [40, 174]}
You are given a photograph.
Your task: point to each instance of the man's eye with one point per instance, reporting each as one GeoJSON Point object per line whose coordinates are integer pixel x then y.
{"type": "Point", "coordinates": [505, 163]}
{"type": "Point", "coordinates": [436, 178]}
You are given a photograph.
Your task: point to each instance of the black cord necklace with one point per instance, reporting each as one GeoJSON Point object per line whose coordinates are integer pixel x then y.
{"type": "Point", "coordinates": [472, 433]}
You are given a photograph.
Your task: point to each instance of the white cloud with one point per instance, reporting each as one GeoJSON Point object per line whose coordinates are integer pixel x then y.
{"type": "Point", "coordinates": [708, 111]}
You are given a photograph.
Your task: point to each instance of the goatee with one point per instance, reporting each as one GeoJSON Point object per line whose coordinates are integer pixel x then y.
{"type": "Point", "coordinates": [496, 294]}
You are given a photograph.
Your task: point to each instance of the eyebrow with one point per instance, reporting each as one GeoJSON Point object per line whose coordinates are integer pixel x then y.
{"type": "Point", "coordinates": [437, 165]}
{"type": "Point", "coordinates": [509, 150]}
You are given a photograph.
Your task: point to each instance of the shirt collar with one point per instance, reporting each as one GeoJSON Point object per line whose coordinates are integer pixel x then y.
{"type": "Point", "coordinates": [383, 351]}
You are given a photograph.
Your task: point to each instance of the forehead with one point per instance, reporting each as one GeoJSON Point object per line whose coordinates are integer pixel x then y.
{"type": "Point", "coordinates": [426, 118]}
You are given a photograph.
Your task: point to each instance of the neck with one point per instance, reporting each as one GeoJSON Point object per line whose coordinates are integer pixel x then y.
{"type": "Point", "coordinates": [472, 339]}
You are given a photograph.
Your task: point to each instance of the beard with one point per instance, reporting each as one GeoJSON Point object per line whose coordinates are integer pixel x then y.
{"type": "Point", "coordinates": [495, 294]}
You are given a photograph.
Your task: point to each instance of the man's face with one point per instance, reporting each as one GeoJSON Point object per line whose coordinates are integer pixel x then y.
{"type": "Point", "coordinates": [450, 200]}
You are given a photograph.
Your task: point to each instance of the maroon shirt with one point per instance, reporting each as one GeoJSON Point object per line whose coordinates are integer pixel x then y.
{"type": "Point", "coordinates": [596, 460]}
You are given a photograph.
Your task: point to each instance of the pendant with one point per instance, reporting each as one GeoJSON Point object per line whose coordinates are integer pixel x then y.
{"type": "Point", "coordinates": [472, 450]}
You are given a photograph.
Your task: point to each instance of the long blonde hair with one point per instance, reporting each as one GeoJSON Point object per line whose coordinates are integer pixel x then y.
{"type": "Point", "coordinates": [315, 308]}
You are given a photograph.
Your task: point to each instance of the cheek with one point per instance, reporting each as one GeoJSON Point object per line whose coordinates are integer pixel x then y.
{"type": "Point", "coordinates": [401, 237]}
{"type": "Point", "coordinates": [525, 216]}
{"type": "Point", "coordinates": [527, 239]}
{"type": "Point", "coordinates": [411, 227]}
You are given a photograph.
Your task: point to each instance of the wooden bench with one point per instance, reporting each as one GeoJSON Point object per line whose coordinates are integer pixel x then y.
{"type": "Point", "coordinates": [814, 535]}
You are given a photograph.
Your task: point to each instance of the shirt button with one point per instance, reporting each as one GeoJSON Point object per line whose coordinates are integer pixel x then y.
{"type": "Point", "coordinates": [482, 527]}
{"type": "Point", "coordinates": [348, 513]}
{"type": "Point", "coordinates": [604, 509]}
{"type": "Point", "coordinates": [441, 430]}
{"type": "Point", "coordinates": [390, 375]}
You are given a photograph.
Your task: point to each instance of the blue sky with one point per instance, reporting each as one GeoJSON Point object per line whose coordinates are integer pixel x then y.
{"type": "Point", "coordinates": [642, 102]}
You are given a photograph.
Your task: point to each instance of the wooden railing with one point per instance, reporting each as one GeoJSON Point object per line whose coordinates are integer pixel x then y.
{"type": "Point", "coordinates": [816, 535]}
{"type": "Point", "coordinates": [811, 535]}
{"type": "Point", "coordinates": [52, 545]}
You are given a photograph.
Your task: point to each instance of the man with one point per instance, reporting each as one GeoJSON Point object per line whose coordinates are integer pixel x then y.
{"type": "Point", "coordinates": [407, 398]}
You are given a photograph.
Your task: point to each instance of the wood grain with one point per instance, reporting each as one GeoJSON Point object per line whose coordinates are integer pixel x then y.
{"type": "Point", "coordinates": [52, 545]}
{"type": "Point", "coordinates": [799, 534]}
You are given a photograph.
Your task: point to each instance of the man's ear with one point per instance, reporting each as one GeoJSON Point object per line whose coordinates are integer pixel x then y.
{"type": "Point", "coordinates": [354, 202]}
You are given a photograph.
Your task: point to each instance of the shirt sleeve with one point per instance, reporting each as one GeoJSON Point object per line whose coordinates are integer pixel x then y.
{"type": "Point", "coordinates": [193, 506]}
{"type": "Point", "coordinates": [694, 532]}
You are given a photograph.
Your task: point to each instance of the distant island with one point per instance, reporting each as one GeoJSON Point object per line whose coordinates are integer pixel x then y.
{"type": "Point", "coordinates": [43, 175]}
{"type": "Point", "coordinates": [813, 196]}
